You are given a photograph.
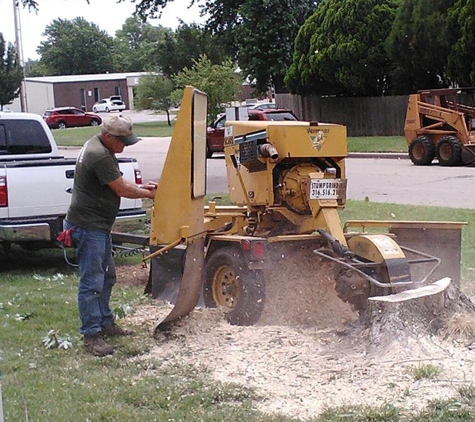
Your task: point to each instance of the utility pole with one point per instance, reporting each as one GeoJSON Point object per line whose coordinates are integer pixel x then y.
{"type": "Point", "coordinates": [1, 403]}
{"type": "Point", "coordinates": [19, 52]}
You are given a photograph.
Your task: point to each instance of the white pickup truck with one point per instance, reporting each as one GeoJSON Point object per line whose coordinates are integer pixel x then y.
{"type": "Point", "coordinates": [36, 183]}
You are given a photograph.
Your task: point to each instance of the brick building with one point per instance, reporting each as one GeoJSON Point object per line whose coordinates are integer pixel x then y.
{"type": "Point", "coordinates": [81, 91]}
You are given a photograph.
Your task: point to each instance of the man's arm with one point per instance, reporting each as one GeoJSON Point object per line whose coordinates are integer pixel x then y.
{"type": "Point", "coordinates": [125, 189]}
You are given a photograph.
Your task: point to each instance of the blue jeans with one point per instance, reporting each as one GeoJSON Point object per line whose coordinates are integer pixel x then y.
{"type": "Point", "coordinates": [97, 276]}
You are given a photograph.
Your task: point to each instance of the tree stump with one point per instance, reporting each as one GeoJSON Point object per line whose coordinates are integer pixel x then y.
{"type": "Point", "coordinates": [431, 315]}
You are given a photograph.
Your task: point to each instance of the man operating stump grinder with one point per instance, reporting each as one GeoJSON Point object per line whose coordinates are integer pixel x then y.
{"type": "Point", "coordinates": [98, 187]}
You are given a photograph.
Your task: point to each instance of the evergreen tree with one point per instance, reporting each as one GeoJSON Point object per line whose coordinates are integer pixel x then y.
{"type": "Point", "coordinates": [340, 49]}
{"type": "Point", "coordinates": [420, 42]}
{"type": "Point", "coordinates": [461, 60]}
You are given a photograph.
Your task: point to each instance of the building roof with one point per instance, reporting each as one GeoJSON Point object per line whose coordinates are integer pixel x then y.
{"type": "Point", "coordinates": [84, 78]}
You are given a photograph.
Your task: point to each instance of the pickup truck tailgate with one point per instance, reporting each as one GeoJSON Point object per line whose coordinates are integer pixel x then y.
{"type": "Point", "coordinates": [44, 188]}
{"type": "Point", "coordinates": [39, 187]}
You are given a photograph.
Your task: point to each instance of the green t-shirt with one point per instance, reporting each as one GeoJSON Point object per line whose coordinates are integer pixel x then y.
{"type": "Point", "coordinates": [94, 204]}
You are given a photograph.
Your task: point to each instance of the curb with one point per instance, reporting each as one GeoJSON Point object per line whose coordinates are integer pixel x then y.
{"type": "Point", "coordinates": [390, 155]}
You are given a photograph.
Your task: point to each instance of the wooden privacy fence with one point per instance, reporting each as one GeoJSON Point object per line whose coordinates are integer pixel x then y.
{"type": "Point", "coordinates": [363, 116]}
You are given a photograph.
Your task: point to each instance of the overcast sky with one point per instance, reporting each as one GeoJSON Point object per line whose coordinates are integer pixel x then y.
{"type": "Point", "coordinates": [107, 14]}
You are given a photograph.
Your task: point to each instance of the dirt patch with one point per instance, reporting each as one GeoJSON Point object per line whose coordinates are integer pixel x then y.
{"type": "Point", "coordinates": [132, 275]}
{"type": "Point", "coordinates": [301, 370]}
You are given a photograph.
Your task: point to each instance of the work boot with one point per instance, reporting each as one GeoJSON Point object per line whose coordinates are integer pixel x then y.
{"type": "Point", "coordinates": [97, 346]}
{"type": "Point", "coordinates": [116, 331]}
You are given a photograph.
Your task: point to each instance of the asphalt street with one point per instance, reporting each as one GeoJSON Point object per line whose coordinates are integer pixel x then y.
{"type": "Point", "coordinates": [376, 179]}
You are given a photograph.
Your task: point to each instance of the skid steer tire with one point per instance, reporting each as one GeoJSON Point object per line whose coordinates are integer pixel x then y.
{"type": "Point", "coordinates": [449, 151]}
{"type": "Point", "coordinates": [230, 286]}
{"type": "Point", "coordinates": [421, 151]}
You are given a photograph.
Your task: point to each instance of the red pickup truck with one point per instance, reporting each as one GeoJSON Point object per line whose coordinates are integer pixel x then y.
{"type": "Point", "coordinates": [215, 132]}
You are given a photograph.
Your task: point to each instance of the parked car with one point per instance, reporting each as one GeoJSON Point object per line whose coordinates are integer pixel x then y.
{"type": "Point", "coordinates": [262, 106]}
{"type": "Point", "coordinates": [109, 104]}
{"type": "Point", "coordinates": [215, 132]}
{"type": "Point", "coordinates": [63, 117]}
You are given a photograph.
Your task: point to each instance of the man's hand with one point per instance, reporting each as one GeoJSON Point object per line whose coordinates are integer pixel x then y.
{"type": "Point", "coordinates": [125, 189]}
{"type": "Point", "coordinates": [151, 187]}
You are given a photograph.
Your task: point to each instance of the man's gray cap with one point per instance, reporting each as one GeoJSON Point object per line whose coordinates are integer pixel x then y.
{"type": "Point", "coordinates": [120, 126]}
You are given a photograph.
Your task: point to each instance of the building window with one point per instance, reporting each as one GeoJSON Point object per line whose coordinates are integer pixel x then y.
{"type": "Point", "coordinates": [117, 90]}
{"type": "Point", "coordinates": [97, 96]}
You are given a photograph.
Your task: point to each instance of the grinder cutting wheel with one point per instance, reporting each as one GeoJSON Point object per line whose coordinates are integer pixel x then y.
{"type": "Point", "coordinates": [288, 182]}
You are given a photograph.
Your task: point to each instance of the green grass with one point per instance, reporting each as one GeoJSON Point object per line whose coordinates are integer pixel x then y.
{"type": "Point", "coordinates": [77, 136]}
{"type": "Point", "coordinates": [460, 409]}
{"type": "Point", "coordinates": [40, 384]}
{"type": "Point", "coordinates": [425, 371]}
{"type": "Point", "coordinates": [377, 144]}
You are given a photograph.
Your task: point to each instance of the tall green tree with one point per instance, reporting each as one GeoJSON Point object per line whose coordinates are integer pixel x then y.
{"type": "Point", "coordinates": [220, 82]}
{"type": "Point", "coordinates": [461, 60]}
{"type": "Point", "coordinates": [153, 92]}
{"type": "Point", "coordinates": [259, 34]}
{"type": "Point", "coordinates": [419, 43]}
{"type": "Point", "coordinates": [136, 45]}
{"type": "Point", "coordinates": [340, 49]}
{"type": "Point", "coordinates": [265, 39]}
{"type": "Point", "coordinates": [11, 73]}
{"type": "Point", "coordinates": [223, 16]}
{"type": "Point", "coordinates": [185, 46]}
{"type": "Point", "coordinates": [75, 47]}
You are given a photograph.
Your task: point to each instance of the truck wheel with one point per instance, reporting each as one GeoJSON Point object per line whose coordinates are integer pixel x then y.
{"type": "Point", "coordinates": [229, 285]}
{"type": "Point", "coordinates": [421, 151]}
{"type": "Point", "coordinates": [62, 125]}
{"type": "Point", "coordinates": [449, 151]}
{"type": "Point", "coordinates": [209, 153]}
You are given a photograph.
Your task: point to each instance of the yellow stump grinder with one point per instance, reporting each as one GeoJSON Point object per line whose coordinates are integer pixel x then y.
{"type": "Point", "coordinates": [282, 244]}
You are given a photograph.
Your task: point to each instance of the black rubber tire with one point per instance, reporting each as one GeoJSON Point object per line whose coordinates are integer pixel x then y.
{"type": "Point", "coordinates": [421, 151]}
{"type": "Point", "coordinates": [94, 122]}
{"type": "Point", "coordinates": [94, 109]}
{"type": "Point", "coordinates": [62, 125]}
{"type": "Point", "coordinates": [107, 110]}
{"type": "Point", "coordinates": [449, 151]}
{"type": "Point", "coordinates": [248, 287]}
